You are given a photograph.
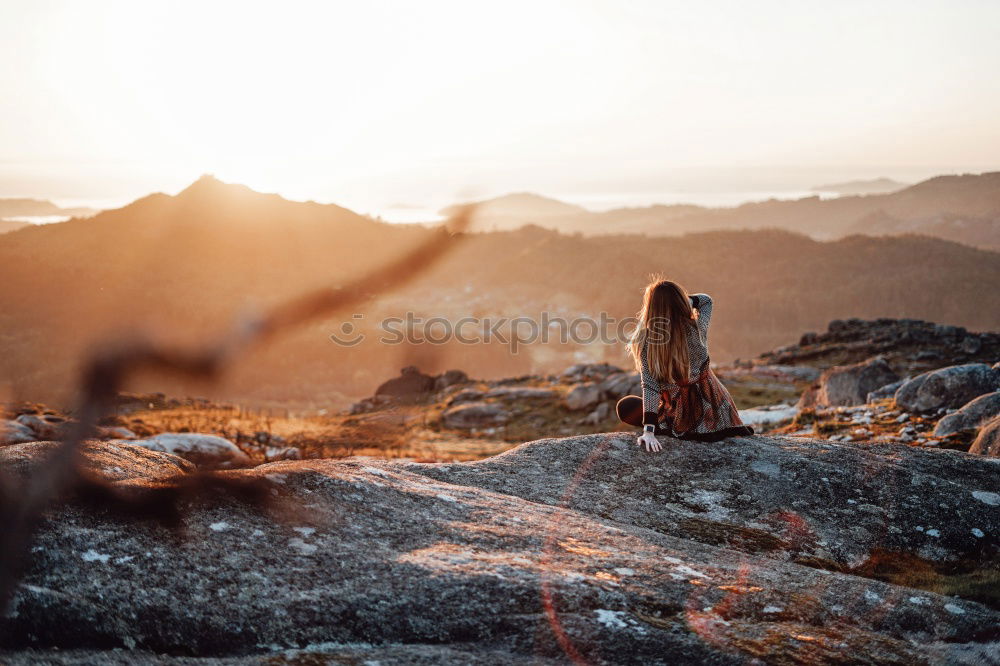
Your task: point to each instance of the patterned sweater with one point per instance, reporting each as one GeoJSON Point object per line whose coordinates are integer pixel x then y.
{"type": "Point", "coordinates": [697, 353]}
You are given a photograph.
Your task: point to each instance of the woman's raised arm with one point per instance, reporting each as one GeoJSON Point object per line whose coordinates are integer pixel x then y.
{"type": "Point", "coordinates": [704, 304]}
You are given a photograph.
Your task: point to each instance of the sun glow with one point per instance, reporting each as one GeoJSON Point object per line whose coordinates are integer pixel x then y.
{"type": "Point", "coordinates": [381, 100]}
{"type": "Point", "coordinates": [263, 93]}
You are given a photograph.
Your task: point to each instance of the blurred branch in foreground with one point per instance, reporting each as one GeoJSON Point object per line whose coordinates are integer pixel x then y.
{"type": "Point", "coordinates": [23, 502]}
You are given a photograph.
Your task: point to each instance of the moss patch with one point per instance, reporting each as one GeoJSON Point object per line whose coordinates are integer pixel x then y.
{"type": "Point", "coordinates": [969, 579]}
{"type": "Point", "coordinates": [746, 539]}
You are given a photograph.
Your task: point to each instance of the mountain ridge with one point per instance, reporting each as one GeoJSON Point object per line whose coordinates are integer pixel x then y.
{"type": "Point", "coordinates": [188, 265]}
{"type": "Point", "coordinates": [918, 208]}
{"type": "Point", "coordinates": [18, 213]}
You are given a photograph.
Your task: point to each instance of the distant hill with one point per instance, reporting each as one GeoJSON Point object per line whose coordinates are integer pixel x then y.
{"type": "Point", "coordinates": [875, 186]}
{"type": "Point", "coordinates": [969, 196]}
{"type": "Point", "coordinates": [184, 267]}
{"type": "Point", "coordinates": [511, 211]}
{"type": "Point", "coordinates": [981, 232]}
{"type": "Point", "coordinates": [11, 225]}
{"type": "Point", "coordinates": [39, 208]}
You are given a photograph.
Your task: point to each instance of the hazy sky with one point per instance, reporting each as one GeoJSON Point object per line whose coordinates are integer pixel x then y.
{"type": "Point", "coordinates": [378, 99]}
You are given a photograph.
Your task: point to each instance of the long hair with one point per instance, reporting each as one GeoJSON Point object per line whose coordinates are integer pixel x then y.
{"type": "Point", "coordinates": [664, 322]}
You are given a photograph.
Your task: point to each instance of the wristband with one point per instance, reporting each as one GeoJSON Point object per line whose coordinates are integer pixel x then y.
{"type": "Point", "coordinates": [649, 427]}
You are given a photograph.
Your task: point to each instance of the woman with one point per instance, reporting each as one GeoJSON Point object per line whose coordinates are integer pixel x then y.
{"type": "Point", "coordinates": [681, 396]}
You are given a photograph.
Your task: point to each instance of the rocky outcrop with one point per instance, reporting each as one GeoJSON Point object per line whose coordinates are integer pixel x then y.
{"type": "Point", "coordinates": [588, 372]}
{"type": "Point", "coordinates": [885, 392]}
{"type": "Point", "coordinates": [529, 393]}
{"type": "Point", "coordinates": [110, 461]}
{"type": "Point", "coordinates": [466, 395]}
{"type": "Point", "coordinates": [115, 432]}
{"type": "Point", "coordinates": [599, 414]}
{"type": "Point", "coordinates": [273, 453]}
{"type": "Point", "coordinates": [753, 550]}
{"type": "Point", "coordinates": [15, 432]}
{"type": "Point", "coordinates": [411, 382]}
{"type": "Point", "coordinates": [949, 387]}
{"type": "Point", "coordinates": [620, 384]}
{"type": "Point", "coordinates": [988, 440]}
{"type": "Point", "coordinates": [861, 500]}
{"type": "Point", "coordinates": [319, 654]}
{"type": "Point", "coordinates": [369, 404]}
{"type": "Point", "coordinates": [205, 451]}
{"type": "Point", "coordinates": [971, 416]}
{"type": "Point", "coordinates": [768, 415]}
{"type": "Point", "coordinates": [450, 378]}
{"type": "Point", "coordinates": [583, 396]}
{"type": "Point", "coordinates": [411, 385]}
{"type": "Point", "coordinates": [850, 384]}
{"type": "Point", "coordinates": [45, 426]}
{"type": "Point", "coordinates": [468, 415]}
{"type": "Point", "coordinates": [910, 346]}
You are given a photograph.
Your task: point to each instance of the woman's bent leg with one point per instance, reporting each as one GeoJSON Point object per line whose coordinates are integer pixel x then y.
{"type": "Point", "coordinates": [629, 410]}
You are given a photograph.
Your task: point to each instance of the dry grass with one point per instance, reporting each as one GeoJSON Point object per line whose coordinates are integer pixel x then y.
{"type": "Point", "coordinates": [411, 429]}
{"type": "Point", "coordinates": [749, 394]}
{"type": "Point", "coordinates": [398, 432]}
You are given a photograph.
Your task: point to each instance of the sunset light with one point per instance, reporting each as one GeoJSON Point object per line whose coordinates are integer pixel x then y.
{"type": "Point", "coordinates": [453, 332]}
{"type": "Point", "coordinates": [371, 103]}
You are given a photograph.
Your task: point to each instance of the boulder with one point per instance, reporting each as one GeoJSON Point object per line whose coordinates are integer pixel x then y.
{"type": "Point", "coordinates": [589, 372]}
{"type": "Point", "coordinates": [585, 549]}
{"type": "Point", "coordinates": [947, 387]}
{"type": "Point", "coordinates": [205, 451]}
{"type": "Point", "coordinates": [583, 396]}
{"type": "Point", "coordinates": [111, 461]}
{"type": "Point", "coordinates": [45, 426]}
{"type": "Point", "coordinates": [786, 372]}
{"type": "Point", "coordinates": [910, 346]}
{"type": "Point", "coordinates": [885, 392]}
{"type": "Point", "coordinates": [850, 384]}
{"type": "Point", "coordinates": [600, 413]}
{"type": "Point", "coordinates": [621, 384]}
{"type": "Point", "coordinates": [115, 432]}
{"type": "Point", "coordinates": [971, 344]}
{"type": "Point", "coordinates": [987, 442]}
{"type": "Point", "coordinates": [370, 404]}
{"type": "Point", "coordinates": [322, 654]}
{"type": "Point", "coordinates": [410, 383]}
{"type": "Point", "coordinates": [15, 432]}
{"type": "Point", "coordinates": [768, 415]}
{"type": "Point", "coordinates": [466, 395]}
{"type": "Point", "coordinates": [522, 393]}
{"type": "Point", "coordinates": [971, 416]}
{"type": "Point", "coordinates": [838, 520]}
{"type": "Point", "coordinates": [449, 378]}
{"type": "Point", "coordinates": [362, 406]}
{"type": "Point", "coordinates": [469, 415]}
{"type": "Point", "coordinates": [272, 453]}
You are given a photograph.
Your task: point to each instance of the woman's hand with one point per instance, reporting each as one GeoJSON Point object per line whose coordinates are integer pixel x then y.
{"type": "Point", "coordinates": [649, 439]}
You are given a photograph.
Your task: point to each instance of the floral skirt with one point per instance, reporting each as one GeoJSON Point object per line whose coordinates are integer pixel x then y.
{"type": "Point", "coordinates": [700, 409]}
